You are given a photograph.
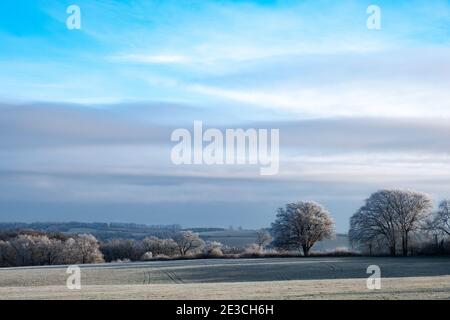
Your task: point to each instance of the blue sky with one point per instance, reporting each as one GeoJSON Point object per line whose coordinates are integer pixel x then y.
{"type": "Point", "coordinates": [193, 51]}
{"type": "Point", "coordinates": [86, 114]}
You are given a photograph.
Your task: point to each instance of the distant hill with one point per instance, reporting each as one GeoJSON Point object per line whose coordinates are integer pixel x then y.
{"type": "Point", "coordinates": [102, 231]}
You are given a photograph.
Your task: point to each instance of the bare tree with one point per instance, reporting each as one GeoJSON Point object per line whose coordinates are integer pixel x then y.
{"type": "Point", "coordinates": [411, 211]}
{"type": "Point", "coordinates": [26, 249]}
{"type": "Point", "coordinates": [7, 255]}
{"type": "Point", "coordinates": [213, 249]}
{"type": "Point", "coordinates": [30, 249]}
{"type": "Point", "coordinates": [187, 241]}
{"type": "Point", "coordinates": [87, 249]}
{"type": "Point", "coordinates": [300, 225]}
{"type": "Point", "coordinates": [373, 220]}
{"type": "Point", "coordinates": [366, 231]}
{"type": "Point", "coordinates": [122, 249]}
{"type": "Point", "coordinates": [441, 220]}
{"type": "Point", "coordinates": [389, 215]}
{"type": "Point", "coordinates": [262, 238]}
{"type": "Point", "coordinates": [46, 251]}
{"type": "Point", "coordinates": [157, 246]}
{"type": "Point", "coordinates": [22, 248]}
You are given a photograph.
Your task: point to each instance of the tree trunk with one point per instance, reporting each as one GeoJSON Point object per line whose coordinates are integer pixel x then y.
{"type": "Point", "coordinates": [392, 242]}
{"type": "Point", "coordinates": [405, 244]}
{"type": "Point", "coordinates": [305, 251]}
{"type": "Point", "coordinates": [392, 250]}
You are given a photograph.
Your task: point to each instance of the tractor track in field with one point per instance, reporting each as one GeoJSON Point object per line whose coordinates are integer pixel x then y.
{"type": "Point", "coordinates": [174, 278]}
{"type": "Point", "coordinates": [146, 277]}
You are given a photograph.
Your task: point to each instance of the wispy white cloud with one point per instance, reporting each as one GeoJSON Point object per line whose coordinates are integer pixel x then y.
{"type": "Point", "coordinates": [152, 59]}
{"type": "Point", "coordinates": [348, 99]}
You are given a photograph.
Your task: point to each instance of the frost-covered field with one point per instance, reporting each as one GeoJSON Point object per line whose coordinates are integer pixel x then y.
{"type": "Point", "coordinates": [285, 278]}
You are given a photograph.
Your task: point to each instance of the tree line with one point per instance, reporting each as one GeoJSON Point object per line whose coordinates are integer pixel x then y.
{"type": "Point", "coordinates": [37, 248]}
{"type": "Point", "coordinates": [389, 222]}
{"type": "Point", "coordinates": [390, 219]}
{"type": "Point", "coordinates": [34, 248]}
{"type": "Point", "coordinates": [102, 231]}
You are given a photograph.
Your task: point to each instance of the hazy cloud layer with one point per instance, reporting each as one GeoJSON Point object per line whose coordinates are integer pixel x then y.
{"type": "Point", "coordinates": [99, 157]}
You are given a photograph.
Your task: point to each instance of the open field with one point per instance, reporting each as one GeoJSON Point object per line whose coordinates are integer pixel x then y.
{"type": "Point", "coordinates": [242, 238]}
{"type": "Point", "coordinates": [284, 278]}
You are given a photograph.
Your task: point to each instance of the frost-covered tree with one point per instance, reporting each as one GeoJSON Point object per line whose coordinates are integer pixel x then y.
{"type": "Point", "coordinates": [390, 215]}
{"type": "Point", "coordinates": [157, 246]}
{"type": "Point", "coordinates": [7, 255]}
{"type": "Point", "coordinates": [300, 225]}
{"type": "Point", "coordinates": [122, 249]}
{"type": "Point", "coordinates": [262, 238]}
{"type": "Point", "coordinates": [87, 249]}
{"type": "Point", "coordinates": [39, 249]}
{"type": "Point", "coordinates": [213, 249]}
{"type": "Point", "coordinates": [441, 219]}
{"type": "Point", "coordinates": [411, 210]}
{"type": "Point", "coordinates": [187, 241]}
